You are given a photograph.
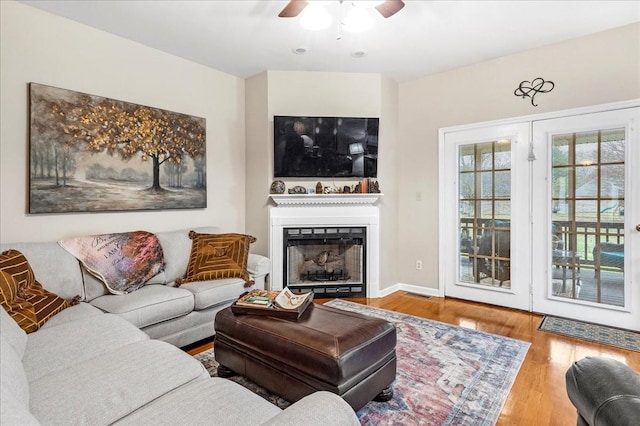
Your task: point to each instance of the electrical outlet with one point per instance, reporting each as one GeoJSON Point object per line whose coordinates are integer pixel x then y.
{"type": "Point", "coordinates": [419, 265]}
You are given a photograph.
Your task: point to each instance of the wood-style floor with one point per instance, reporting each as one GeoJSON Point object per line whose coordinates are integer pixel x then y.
{"type": "Point", "coordinates": [538, 396]}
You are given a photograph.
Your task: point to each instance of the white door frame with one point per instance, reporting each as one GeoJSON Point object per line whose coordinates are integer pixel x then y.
{"type": "Point", "coordinates": [448, 246]}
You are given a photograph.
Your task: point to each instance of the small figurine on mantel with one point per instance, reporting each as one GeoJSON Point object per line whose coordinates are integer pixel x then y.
{"type": "Point", "coordinates": [278, 187]}
{"type": "Point", "coordinates": [298, 190]}
{"type": "Point", "coordinates": [319, 188]}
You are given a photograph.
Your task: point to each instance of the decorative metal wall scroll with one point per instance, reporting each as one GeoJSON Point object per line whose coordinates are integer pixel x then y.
{"type": "Point", "coordinates": [529, 89]}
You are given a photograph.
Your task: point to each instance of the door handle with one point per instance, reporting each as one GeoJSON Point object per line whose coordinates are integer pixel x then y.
{"type": "Point", "coordinates": [638, 227]}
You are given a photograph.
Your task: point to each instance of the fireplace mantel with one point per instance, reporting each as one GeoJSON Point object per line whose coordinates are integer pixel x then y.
{"type": "Point", "coordinates": [325, 199]}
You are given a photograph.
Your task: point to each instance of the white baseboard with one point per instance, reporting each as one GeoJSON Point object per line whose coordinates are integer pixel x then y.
{"type": "Point", "coordinates": [410, 288]}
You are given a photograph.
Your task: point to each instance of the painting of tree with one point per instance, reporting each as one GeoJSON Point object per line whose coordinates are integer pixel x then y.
{"type": "Point", "coordinates": [90, 153]}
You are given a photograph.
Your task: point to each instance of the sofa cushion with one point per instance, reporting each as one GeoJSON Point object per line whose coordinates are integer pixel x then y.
{"type": "Point", "coordinates": [12, 334]}
{"type": "Point", "coordinates": [12, 374]}
{"type": "Point", "coordinates": [123, 261]}
{"type": "Point", "coordinates": [217, 256]}
{"type": "Point", "coordinates": [93, 287]}
{"type": "Point", "coordinates": [23, 296]}
{"type": "Point", "coordinates": [149, 305]}
{"type": "Point", "coordinates": [81, 311]}
{"type": "Point", "coordinates": [177, 247]}
{"type": "Point", "coordinates": [230, 404]}
{"type": "Point", "coordinates": [217, 292]}
{"type": "Point", "coordinates": [15, 413]}
{"type": "Point", "coordinates": [58, 271]}
{"type": "Point", "coordinates": [56, 348]}
{"type": "Point", "coordinates": [106, 388]}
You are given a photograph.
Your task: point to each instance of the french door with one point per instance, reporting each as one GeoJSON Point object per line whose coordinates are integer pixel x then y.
{"type": "Point", "coordinates": [486, 228]}
{"type": "Point", "coordinates": [541, 214]}
{"type": "Point", "coordinates": [588, 186]}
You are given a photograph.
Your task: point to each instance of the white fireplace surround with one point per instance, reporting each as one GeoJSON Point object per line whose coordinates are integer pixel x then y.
{"type": "Point", "coordinates": [313, 210]}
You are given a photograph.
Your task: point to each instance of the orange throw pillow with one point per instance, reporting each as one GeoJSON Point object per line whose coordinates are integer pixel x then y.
{"type": "Point", "coordinates": [22, 296]}
{"type": "Point", "coordinates": [217, 256]}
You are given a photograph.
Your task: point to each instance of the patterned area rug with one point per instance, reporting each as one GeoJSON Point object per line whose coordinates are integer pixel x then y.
{"type": "Point", "coordinates": [446, 375]}
{"type": "Point", "coordinates": [593, 332]}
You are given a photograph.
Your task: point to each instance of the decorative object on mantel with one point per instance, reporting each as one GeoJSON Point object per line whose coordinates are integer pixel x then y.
{"type": "Point", "coordinates": [529, 89]}
{"type": "Point", "coordinates": [95, 154]}
{"type": "Point", "coordinates": [319, 188]}
{"type": "Point", "coordinates": [367, 186]}
{"type": "Point", "coordinates": [331, 190]}
{"type": "Point", "coordinates": [298, 190]}
{"type": "Point", "coordinates": [277, 187]}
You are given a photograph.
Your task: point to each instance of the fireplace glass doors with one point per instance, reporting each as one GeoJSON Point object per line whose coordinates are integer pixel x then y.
{"type": "Point", "coordinates": [330, 261]}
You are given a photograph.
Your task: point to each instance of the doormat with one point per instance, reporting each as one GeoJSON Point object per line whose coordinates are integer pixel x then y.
{"type": "Point", "coordinates": [611, 336]}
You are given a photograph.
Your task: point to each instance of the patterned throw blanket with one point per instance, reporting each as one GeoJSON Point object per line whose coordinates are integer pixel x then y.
{"type": "Point", "coordinates": [124, 262]}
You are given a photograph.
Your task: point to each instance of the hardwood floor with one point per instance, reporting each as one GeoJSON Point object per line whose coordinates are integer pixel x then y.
{"type": "Point", "coordinates": [538, 396]}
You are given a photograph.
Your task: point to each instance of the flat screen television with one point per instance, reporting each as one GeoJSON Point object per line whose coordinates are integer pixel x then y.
{"type": "Point", "coordinates": [325, 147]}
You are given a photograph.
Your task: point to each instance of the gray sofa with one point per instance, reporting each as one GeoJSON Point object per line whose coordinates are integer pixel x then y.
{"type": "Point", "coordinates": [180, 316]}
{"type": "Point", "coordinates": [94, 363]}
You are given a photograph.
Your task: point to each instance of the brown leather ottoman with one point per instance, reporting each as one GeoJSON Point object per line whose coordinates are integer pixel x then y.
{"type": "Point", "coordinates": [328, 349]}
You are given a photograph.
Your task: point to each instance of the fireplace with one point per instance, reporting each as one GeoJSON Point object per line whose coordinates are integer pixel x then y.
{"type": "Point", "coordinates": [326, 243]}
{"type": "Point", "coordinates": [330, 261]}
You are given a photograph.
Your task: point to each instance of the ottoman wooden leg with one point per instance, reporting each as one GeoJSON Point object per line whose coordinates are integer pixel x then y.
{"type": "Point", "coordinates": [385, 395]}
{"type": "Point", "coordinates": [225, 372]}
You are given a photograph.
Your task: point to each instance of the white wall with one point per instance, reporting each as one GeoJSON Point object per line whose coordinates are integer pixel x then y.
{"type": "Point", "coordinates": [320, 94]}
{"type": "Point", "coordinates": [596, 69]}
{"type": "Point", "coordinates": [38, 47]}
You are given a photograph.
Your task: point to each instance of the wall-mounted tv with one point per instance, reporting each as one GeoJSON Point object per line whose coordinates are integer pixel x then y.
{"type": "Point", "coordinates": [325, 147]}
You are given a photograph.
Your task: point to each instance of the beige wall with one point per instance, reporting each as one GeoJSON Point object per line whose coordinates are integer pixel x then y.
{"type": "Point", "coordinates": [43, 48]}
{"type": "Point", "coordinates": [591, 70]}
{"type": "Point", "coordinates": [259, 163]}
{"type": "Point", "coordinates": [320, 94]}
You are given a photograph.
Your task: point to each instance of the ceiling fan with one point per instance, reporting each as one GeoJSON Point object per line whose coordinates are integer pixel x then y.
{"type": "Point", "coordinates": [387, 8]}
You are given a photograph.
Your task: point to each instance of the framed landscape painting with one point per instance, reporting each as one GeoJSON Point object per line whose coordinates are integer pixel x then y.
{"type": "Point", "coordinates": [93, 154]}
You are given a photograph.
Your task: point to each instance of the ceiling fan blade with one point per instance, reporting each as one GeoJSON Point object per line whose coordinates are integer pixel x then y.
{"type": "Point", "coordinates": [293, 8]}
{"type": "Point", "coordinates": [390, 7]}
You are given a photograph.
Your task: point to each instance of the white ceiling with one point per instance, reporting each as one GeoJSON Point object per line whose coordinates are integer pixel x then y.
{"type": "Point", "coordinates": [246, 37]}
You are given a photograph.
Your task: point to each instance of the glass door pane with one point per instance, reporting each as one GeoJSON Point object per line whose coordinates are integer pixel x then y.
{"type": "Point", "coordinates": [484, 176]}
{"type": "Point", "coordinates": [588, 197]}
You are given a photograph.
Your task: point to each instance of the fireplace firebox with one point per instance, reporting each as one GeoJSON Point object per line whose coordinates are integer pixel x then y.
{"type": "Point", "coordinates": [330, 261]}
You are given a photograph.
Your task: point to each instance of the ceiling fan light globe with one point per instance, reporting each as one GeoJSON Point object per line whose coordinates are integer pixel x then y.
{"type": "Point", "coordinates": [357, 20]}
{"type": "Point", "coordinates": [314, 17]}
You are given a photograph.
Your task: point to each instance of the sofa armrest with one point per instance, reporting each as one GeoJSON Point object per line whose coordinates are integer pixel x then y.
{"type": "Point", "coordinates": [604, 391]}
{"type": "Point", "coordinates": [258, 266]}
{"type": "Point", "coordinates": [318, 409]}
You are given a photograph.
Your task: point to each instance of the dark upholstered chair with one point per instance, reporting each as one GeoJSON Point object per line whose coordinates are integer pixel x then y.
{"type": "Point", "coordinates": [604, 391]}
{"type": "Point", "coordinates": [501, 270]}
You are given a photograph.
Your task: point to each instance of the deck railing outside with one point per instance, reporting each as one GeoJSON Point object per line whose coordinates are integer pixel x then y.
{"type": "Point", "coordinates": [582, 239]}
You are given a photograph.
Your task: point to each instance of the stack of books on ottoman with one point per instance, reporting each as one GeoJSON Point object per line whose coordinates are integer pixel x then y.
{"type": "Point", "coordinates": [283, 304]}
